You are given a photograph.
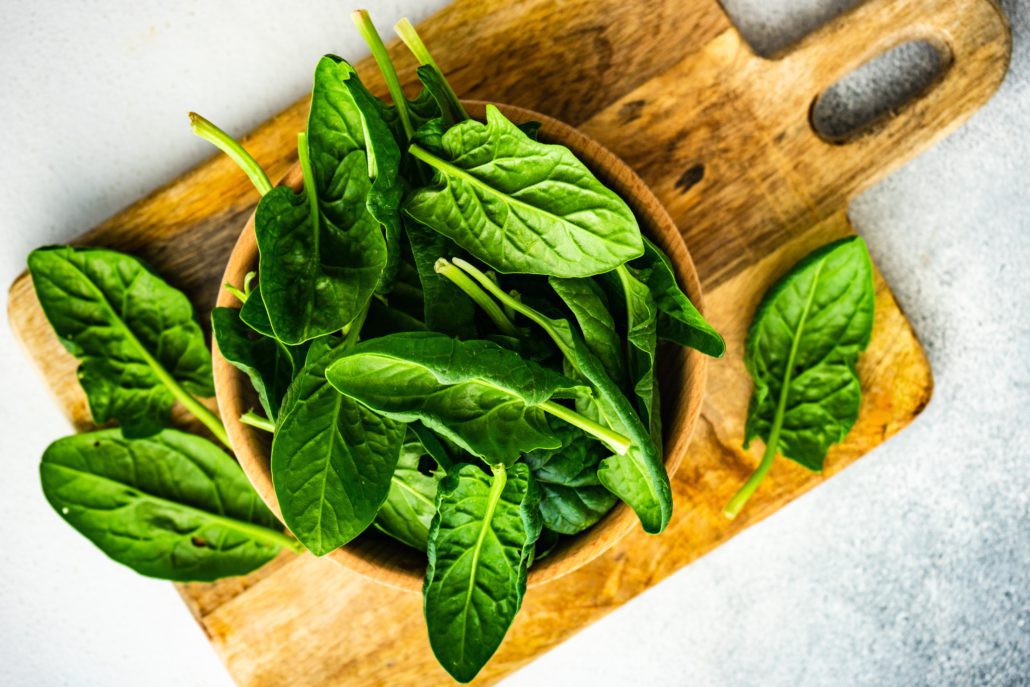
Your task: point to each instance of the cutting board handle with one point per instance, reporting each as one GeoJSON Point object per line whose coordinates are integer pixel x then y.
{"type": "Point", "coordinates": [971, 36]}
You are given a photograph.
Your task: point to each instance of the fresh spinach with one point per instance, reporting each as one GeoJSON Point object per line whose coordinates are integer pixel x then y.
{"type": "Point", "coordinates": [678, 320]}
{"type": "Point", "coordinates": [332, 458]}
{"type": "Point", "coordinates": [447, 309]}
{"type": "Point", "coordinates": [520, 205]}
{"type": "Point", "coordinates": [172, 505]}
{"type": "Point", "coordinates": [139, 346]}
{"type": "Point", "coordinates": [642, 337]}
{"type": "Point", "coordinates": [480, 543]}
{"type": "Point", "coordinates": [267, 362]}
{"type": "Point", "coordinates": [587, 303]}
{"type": "Point", "coordinates": [479, 395]}
{"type": "Point", "coordinates": [571, 496]}
{"type": "Point", "coordinates": [801, 351]}
{"type": "Point", "coordinates": [410, 506]}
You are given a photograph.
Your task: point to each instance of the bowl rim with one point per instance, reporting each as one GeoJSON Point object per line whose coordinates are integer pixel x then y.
{"type": "Point", "coordinates": [250, 445]}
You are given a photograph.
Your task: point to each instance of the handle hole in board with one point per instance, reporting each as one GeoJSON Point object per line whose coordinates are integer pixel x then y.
{"type": "Point", "coordinates": [878, 90]}
{"type": "Point", "coordinates": [770, 27]}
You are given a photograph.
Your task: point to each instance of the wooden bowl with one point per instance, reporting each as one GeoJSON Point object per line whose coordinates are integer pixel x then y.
{"type": "Point", "coordinates": [681, 374]}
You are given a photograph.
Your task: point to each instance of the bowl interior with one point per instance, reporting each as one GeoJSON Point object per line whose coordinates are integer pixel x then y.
{"type": "Point", "coordinates": [682, 378]}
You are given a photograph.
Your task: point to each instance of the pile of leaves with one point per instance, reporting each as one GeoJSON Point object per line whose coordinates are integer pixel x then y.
{"type": "Point", "coordinates": [452, 332]}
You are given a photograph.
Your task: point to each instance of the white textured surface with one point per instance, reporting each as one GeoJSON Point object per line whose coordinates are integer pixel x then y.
{"type": "Point", "coordinates": [911, 568]}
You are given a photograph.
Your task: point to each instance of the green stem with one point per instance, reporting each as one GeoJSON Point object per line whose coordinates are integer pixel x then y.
{"type": "Point", "coordinates": [735, 504]}
{"type": "Point", "coordinates": [240, 295]}
{"type": "Point", "coordinates": [382, 58]}
{"type": "Point", "coordinates": [545, 323]}
{"type": "Point", "coordinates": [309, 183]}
{"type": "Point", "coordinates": [410, 37]}
{"type": "Point", "coordinates": [228, 145]}
{"type": "Point", "coordinates": [353, 330]}
{"type": "Point", "coordinates": [612, 440]}
{"type": "Point", "coordinates": [254, 420]}
{"type": "Point", "coordinates": [482, 299]}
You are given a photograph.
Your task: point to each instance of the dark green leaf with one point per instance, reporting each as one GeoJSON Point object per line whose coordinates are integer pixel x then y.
{"type": "Point", "coordinates": [434, 84]}
{"type": "Point", "coordinates": [638, 477]}
{"type": "Point", "coordinates": [433, 446]}
{"type": "Point", "coordinates": [642, 337]}
{"type": "Point", "coordinates": [172, 506]}
{"type": "Point", "coordinates": [447, 308]}
{"type": "Point", "coordinates": [678, 320]}
{"type": "Point", "coordinates": [332, 458]}
{"type": "Point", "coordinates": [801, 351]}
{"type": "Point", "coordinates": [480, 544]}
{"type": "Point", "coordinates": [136, 337]}
{"type": "Point", "coordinates": [265, 361]}
{"type": "Point", "coordinates": [571, 496]}
{"type": "Point", "coordinates": [587, 303]}
{"type": "Point", "coordinates": [481, 396]}
{"type": "Point", "coordinates": [322, 252]}
{"type": "Point", "coordinates": [521, 205]}
{"type": "Point", "coordinates": [384, 156]}
{"type": "Point", "coordinates": [411, 504]}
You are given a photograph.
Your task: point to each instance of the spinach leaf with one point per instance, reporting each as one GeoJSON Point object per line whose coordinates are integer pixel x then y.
{"type": "Point", "coordinates": [801, 351]}
{"type": "Point", "coordinates": [678, 320]}
{"type": "Point", "coordinates": [172, 505]}
{"type": "Point", "coordinates": [332, 458]}
{"type": "Point", "coordinates": [322, 253]}
{"type": "Point", "coordinates": [637, 475]}
{"type": "Point", "coordinates": [571, 496]}
{"type": "Point", "coordinates": [411, 504]}
{"type": "Point", "coordinates": [642, 337]}
{"type": "Point", "coordinates": [136, 337]}
{"type": "Point", "coordinates": [384, 319]}
{"type": "Point", "coordinates": [480, 544]}
{"type": "Point", "coordinates": [254, 314]}
{"type": "Point", "coordinates": [479, 395]}
{"type": "Point", "coordinates": [447, 104]}
{"type": "Point", "coordinates": [433, 445]}
{"type": "Point", "coordinates": [265, 361]}
{"type": "Point", "coordinates": [521, 205]}
{"type": "Point", "coordinates": [587, 303]}
{"type": "Point", "coordinates": [447, 309]}
{"type": "Point", "coordinates": [384, 163]}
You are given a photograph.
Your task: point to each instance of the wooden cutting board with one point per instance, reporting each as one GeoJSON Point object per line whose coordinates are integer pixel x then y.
{"type": "Point", "coordinates": [723, 138]}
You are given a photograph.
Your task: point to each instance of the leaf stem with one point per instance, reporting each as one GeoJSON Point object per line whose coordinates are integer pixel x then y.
{"type": "Point", "coordinates": [353, 329]}
{"type": "Point", "coordinates": [231, 147]}
{"type": "Point", "coordinates": [545, 323]}
{"type": "Point", "coordinates": [735, 504]}
{"type": "Point", "coordinates": [445, 269]}
{"type": "Point", "coordinates": [410, 37]}
{"type": "Point", "coordinates": [375, 43]}
{"type": "Point", "coordinates": [309, 182]}
{"type": "Point", "coordinates": [254, 420]}
{"type": "Point", "coordinates": [612, 440]}
{"type": "Point", "coordinates": [240, 295]}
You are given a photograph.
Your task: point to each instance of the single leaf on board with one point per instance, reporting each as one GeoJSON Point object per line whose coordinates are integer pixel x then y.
{"type": "Point", "coordinates": [411, 504]}
{"type": "Point", "coordinates": [480, 544]}
{"type": "Point", "coordinates": [479, 395]}
{"type": "Point", "coordinates": [136, 337]}
{"type": "Point", "coordinates": [801, 352]}
{"type": "Point", "coordinates": [520, 205]}
{"type": "Point", "coordinates": [332, 458]}
{"type": "Point", "coordinates": [267, 362]}
{"type": "Point", "coordinates": [172, 505]}
{"type": "Point", "coordinates": [678, 320]}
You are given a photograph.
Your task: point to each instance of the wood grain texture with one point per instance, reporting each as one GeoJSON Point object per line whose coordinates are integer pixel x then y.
{"type": "Point", "coordinates": [723, 139]}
